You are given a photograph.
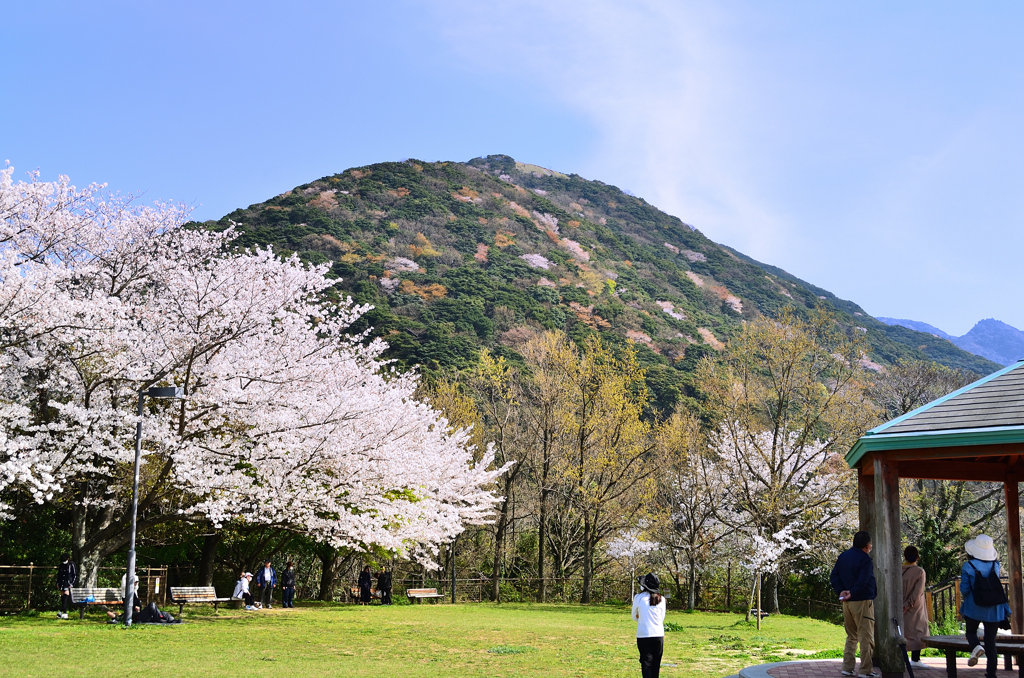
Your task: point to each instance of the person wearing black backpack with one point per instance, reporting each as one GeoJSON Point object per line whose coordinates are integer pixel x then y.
{"type": "Point", "coordinates": [984, 601]}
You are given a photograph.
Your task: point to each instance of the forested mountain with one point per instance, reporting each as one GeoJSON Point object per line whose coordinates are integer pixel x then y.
{"type": "Point", "coordinates": [460, 256]}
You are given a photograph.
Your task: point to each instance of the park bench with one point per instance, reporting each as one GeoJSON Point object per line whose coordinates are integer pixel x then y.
{"type": "Point", "coordinates": [1009, 646]}
{"type": "Point", "coordinates": [419, 594]}
{"type": "Point", "coordinates": [183, 595]}
{"type": "Point", "coordinates": [100, 596]}
{"type": "Point", "coordinates": [356, 593]}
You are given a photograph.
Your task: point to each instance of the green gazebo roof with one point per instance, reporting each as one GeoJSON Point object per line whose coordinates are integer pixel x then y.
{"type": "Point", "coordinates": [988, 412]}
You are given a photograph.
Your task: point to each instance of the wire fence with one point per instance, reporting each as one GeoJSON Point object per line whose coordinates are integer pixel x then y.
{"type": "Point", "coordinates": [27, 587]}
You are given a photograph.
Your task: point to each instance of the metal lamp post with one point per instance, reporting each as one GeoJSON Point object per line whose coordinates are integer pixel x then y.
{"type": "Point", "coordinates": [129, 580]}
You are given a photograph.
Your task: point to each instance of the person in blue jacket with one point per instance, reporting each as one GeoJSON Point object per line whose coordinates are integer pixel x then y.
{"type": "Point", "coordinates": [975, 584]}
{"type": "Point", "coordinates": [853, 579]}
{"type": "Point", "coordinates": [266, 579]}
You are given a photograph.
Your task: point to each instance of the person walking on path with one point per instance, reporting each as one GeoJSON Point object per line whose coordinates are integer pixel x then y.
{"type": "Point", "coordinates": [365, 583]}
{"type": "Point", "coordinates": [267, 580]}
{"type": "Point", "coordinates": [67, 577]}
{"type": "Point", "coordinates": [649, 613]}
{"type": "Point", "coordinates": [853, 578]}
{"type": "Point", "coordinates": [915, 611]}
{"type": "Point", "coordinates": [288, 585]}
{"type": "Point", "coordinates": [384, 587]}
{"type": "Point", "coordinates": [984, 601]}
{"type": "Point", "coordinates": [242, 591]}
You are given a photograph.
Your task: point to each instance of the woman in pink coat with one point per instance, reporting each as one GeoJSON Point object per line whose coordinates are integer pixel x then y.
{"type": "Point", "coordinates": [915, 610]}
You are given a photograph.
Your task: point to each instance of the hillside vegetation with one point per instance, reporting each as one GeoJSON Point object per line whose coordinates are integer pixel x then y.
{"type": "Point", "coordinates": [460, 256]}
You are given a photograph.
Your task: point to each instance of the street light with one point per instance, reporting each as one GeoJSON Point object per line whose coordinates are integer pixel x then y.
{"type": "Point", "coordinates": [129, 579]}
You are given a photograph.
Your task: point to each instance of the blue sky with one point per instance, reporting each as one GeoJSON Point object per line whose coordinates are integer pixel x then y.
{"type": "Point", "coordinates": [874, 149]}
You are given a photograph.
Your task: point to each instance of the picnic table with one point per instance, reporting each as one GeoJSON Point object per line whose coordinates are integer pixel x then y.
{"type": "Point", "coordinates": [1006, 645]}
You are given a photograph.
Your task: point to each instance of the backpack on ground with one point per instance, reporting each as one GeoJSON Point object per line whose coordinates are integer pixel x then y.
{"type": "Point", "coordinates": [988, 590]}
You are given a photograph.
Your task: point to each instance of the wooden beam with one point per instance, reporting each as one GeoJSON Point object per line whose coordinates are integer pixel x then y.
{"type": "Point", "coordinates": [955, 452]}
{"type": "Point", "coordinates": [866, 501]}
{"type": "Point", "coordinates": [953, 470]}
{"type": "Point", "coordinates": [888, 567]}
{"type": "Point", "coordinates": [1010, 491]}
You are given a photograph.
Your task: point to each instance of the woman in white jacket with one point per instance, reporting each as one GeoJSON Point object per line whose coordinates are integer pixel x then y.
{"type": "Point", "coordinates": [242, 591]}
{"type": "Point", "coordinates": [649, 613]}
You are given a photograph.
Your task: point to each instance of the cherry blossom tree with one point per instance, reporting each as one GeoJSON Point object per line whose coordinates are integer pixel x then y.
{"type": "Point", "coordinates": [287, 418]}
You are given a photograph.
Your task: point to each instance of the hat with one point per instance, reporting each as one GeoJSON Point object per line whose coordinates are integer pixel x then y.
{"type": "Point", "coordinates": [982, 548]}
{"type": "Point", "coordinates": [247, 574]}
{"type": "Point", "coordinates": [649, 582]}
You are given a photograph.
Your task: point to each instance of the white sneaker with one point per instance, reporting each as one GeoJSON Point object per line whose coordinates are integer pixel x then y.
{"type": "Point", "coordinates": [920, 665]}
{"type": "Point", "coordinates": [978, 651]}
{"type": "Point", "coordinates": [848, 673]}
{"type": "Point", "coordinates": [873, 674]}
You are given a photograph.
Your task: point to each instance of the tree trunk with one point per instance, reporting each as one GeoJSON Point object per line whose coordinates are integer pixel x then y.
{"type": "Point", "coordinates": [499, 550]}
{"type": "Point", "coordinates": [542, 589]}
{"type": "Point", "coordinates": [772, 588]}
{"type": "Point", "coordinates": [328, 572]}
{"type": "Point", "coordinates": [692, 582]}
{"type": "Point", "coordinates": [588, 558]}
{"type": "Point", "coordinates": [208, 560]}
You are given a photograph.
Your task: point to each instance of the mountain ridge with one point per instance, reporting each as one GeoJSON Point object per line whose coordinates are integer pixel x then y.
{"type": "Point", "coordinates": [460, 256]}
{"type": "Point", "coordinates": [990, 338]}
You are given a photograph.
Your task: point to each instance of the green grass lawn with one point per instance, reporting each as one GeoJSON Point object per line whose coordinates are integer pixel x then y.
{"type": "Point", "coordinates": [401, 641]}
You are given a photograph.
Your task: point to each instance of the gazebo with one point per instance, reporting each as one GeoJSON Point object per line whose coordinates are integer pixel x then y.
{"type": "Point", "coordinates": [974, 433]}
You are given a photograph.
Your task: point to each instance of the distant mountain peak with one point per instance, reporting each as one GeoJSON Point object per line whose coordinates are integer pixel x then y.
{"type": "Point", "coordinates": [989, 338]}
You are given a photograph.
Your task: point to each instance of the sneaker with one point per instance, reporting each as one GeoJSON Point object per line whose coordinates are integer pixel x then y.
{"type": "Point", "coordinates": [873, 674]}
{"type": "Point", "coordinates": [978, 651]}
{"type": "Point", "coordinates": [249, 607]}
{"type": "Point", "coordinates": [848, 673]}
{"type": "Point", "coordinates": [919, 665]}
{"type": "Point", "coordinates": [270, 607]}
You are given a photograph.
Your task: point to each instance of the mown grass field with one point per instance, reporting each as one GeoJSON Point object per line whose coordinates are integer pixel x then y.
{"type": "Point", "coordinates": [401, 642]}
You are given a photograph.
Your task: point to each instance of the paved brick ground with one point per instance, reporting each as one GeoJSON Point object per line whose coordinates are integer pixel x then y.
{"type": "Point", "coordinates": [833, 668]}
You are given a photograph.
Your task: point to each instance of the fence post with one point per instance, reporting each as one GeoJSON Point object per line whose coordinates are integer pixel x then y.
{"type": "Point", "coordinates": [28, 605]}
{"type": "Point", "coordinates": [956, 597]}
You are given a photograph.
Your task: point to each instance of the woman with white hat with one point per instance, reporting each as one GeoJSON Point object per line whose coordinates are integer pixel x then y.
{"type": "Point", "coordinates": [984, 601]}
{"type": "Point", "coordinates": [649, 613]}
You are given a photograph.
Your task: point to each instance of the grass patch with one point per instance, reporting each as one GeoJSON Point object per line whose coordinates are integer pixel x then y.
{"type": "Point", "coordinates": [421, 641]}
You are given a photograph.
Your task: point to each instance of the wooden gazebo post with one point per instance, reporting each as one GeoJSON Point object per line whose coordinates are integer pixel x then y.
{"type": "Point", "coordinates": [888, 567]}
{"type": "Point", "coordinates": [1010, 492]}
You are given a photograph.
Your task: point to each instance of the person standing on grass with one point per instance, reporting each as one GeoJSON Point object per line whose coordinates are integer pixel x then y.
{"type": "Point", "coordinates": [384, 587]}
{"type": "Point", "coordinates": [288, 585]}
{"type": "Point", "coordinates": [365, 583]}
{"type": "Point", "coordinates": [267, 580]}
{"type": "Point", "coordinates": [984, 601]}
{"type": "Point", "coordinates": [649, 613]}
{"type": "Point", "coordinates": [915, 611]}
{"type": "Point", "coordinates": [67, 577]}
{"type": "Point", "coordinates": [853, 579]}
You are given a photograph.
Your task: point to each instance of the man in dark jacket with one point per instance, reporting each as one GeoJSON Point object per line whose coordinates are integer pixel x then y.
{"type": "Point", "coordinates": [67, 577]}
{"type": "Point", "coordinates": [288, 585]}
{"type": "Point", "coordinates": [853, 579]}
{"type": "Point", "coordinates": [384, 587]}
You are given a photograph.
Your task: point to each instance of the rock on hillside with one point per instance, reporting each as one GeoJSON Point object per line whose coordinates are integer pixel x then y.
{"type": "Point", "coordinates": [460, 256]}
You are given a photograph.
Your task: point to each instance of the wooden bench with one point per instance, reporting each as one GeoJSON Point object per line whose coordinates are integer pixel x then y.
{"type": "Point", "coordinates": [100, 596]}
{"type": "Point", "coordinates": [1009, 646]}
{"type": "Point", "coordinates": [356, 593]}
{"type": "Point", "coordinates": [419, 594]}
{"type": "Point", "coordinates": [183, 595]}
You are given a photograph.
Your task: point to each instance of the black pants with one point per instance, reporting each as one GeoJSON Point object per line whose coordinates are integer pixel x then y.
{"type": "Point", "coordinates": [385, 596]}
{"type": "Point", "coordinates": [268, 595]}
{"type": "Point", "coordinates": [991, 659]}
{"type": "Point", "coordinates": [287, 596]}
{"type": "Point", "coordinates": [65, 601]}
{"type": "Point", "coordinates": [248, 599]}
{"type": "Point", "coordinates": [651, 650]}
